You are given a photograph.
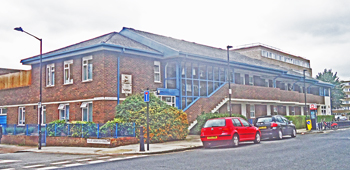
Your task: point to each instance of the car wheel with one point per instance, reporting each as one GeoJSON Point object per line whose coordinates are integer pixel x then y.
{"type": "Point", "coordinates": [294, 133]}
{"type": "Point", "coordinates": [280, 135]}
{"type": "Point", "coordinates": [235, 140]}
{"type": "Point", "coordinates": [257, 138]}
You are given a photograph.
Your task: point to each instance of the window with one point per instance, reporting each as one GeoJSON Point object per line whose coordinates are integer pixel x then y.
{"type": "Point", "coordinates": [245, 123]}
{"type": "Point", "coordinates": [21, 115]}
{"type": "Point", "coordinates": [215, 123]}
{"type": "Point", "coordinates": [275, 110]}
{"type": "Point", "coordinates": [252, 111]}
{"type": "Point", "coordinates": [323, 110]}
{"type": "Point", "coordinates": [43, 115]}
{"type": "Point", "coordinates": [157, 71]}
{"type": "Point", "coordinates": [87, 69]}
{"type": "Point", "coordinates": [3, 111]}
{"type": "Point", "coordinates": [64, 112]}
{"type": "Point", "coordinates": [170, 100]}
{"type": "Point", "coordinates": [292, 110]}
{"type": "Point", "coordinates": [87, 111]}
{"type": "Point", "coordinates": [68, 75]}
{"type": "Point", "coordinates": [251, 81]}
{"type": "Point", "coordinates": [236, 123]}
{"type": "Point", "coordinates": [50, 75]}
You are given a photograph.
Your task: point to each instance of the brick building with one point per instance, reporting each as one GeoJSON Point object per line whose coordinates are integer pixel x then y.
{"type": "Point", "coordinates": [87, 80]}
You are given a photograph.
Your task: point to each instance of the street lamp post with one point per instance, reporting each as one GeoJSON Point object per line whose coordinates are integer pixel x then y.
{"type": "Point", "coordinates": [229, 78]}
{"type": "Point", "coordinates": [40, 95]}
{"type": "Point", "coordinates": [305, 109]}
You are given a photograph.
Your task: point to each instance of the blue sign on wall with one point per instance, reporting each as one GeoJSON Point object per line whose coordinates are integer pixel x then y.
{"type": "Point", "coordinates": [146, 96]}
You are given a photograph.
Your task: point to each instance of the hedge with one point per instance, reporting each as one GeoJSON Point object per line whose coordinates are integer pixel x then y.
{"type": "Point", "coordinates": [166, 123]}
{"type": "Point", "coordinates": [300, 121]}
{"type": "Point", "coordinates": [201, 119]}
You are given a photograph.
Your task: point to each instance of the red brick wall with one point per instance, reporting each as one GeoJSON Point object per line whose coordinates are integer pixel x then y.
{"type": "Point", "coordinates": [65, 141]}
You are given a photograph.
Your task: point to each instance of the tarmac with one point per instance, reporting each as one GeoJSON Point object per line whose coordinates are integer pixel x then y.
{"type": "Point", "coordinates": [191, 142]}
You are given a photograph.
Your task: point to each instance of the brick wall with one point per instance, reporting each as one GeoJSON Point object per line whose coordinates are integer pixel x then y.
{"type": "Point", "coordinates": [65, 141]}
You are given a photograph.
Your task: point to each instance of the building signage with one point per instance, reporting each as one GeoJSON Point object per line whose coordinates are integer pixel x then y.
{"type": "Point", "coordinates": [313, 106]}
{"type": "Point", "coordinates": [99, 141]}
{"type": "Point", "coordinates": [126, 83]}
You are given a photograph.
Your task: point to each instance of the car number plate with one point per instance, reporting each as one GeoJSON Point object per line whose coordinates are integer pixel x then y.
{"type": "Point", "coordinates": [212, 137]}
{"type": "Point", "coordinates": [262, 127]}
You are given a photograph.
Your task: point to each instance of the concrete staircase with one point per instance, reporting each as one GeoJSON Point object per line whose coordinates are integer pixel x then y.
{"type": "Point", "coordinates": [219, 105]}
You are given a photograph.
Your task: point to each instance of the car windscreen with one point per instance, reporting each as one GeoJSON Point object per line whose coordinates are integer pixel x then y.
{"type": "Point", "coordinates": [264, 120]}
{"type": "Point", "coordinates": [215, 123]}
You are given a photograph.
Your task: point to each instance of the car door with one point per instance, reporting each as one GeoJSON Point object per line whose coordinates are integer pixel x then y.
{"type": "Point", "coordinates": [288, 129]}
{"type": "Point", "coordinates": [238, 127]}
{"type": "Point", "coordinates": [248, 131]}
{"type": "Point", "coordinates": [282, 124]}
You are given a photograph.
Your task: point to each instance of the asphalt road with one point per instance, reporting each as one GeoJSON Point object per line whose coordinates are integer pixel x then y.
{"type": "Point", "coordinates": [311, 151]}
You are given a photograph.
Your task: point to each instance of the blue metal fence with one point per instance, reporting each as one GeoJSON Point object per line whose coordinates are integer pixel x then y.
{"type": "Point", "coordinates": [73, 130]}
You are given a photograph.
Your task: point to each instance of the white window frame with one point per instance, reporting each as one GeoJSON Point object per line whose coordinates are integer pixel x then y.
{"type": "Point", "coordinates": [50, 75]}
{"type": "Point", "coordinates": [2, 111]}
{"type": "Point", "coordinates": [172, 98]}
{"type": "Point", "coordinates": [43, 115]}
{"type": "Point", "coordinates": [252, 111]}
{"type": "Point", "coordinates": [85, 105]}
{"type": "Point", "coordinates": [67, 65]}
{"type": "Point", "coordinates": [157, 72]}
{"type": "Point", "coordinates": [63, 107]}
{"type": "Point", "coordinates": [85, 71]}
{"type": "Point", "coordinates": [324, 110]}
{"type": "Point", "coordinates": [21, 118]}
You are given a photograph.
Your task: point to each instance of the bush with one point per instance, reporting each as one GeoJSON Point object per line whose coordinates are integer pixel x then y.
{"type": "Point", "coordinates": [166, 122]}
{"type": "Point", "coordinates": [298, 120]}
{"type": "Point", "coordinates": [201, 119]}
{"type": "Point", "coordinates": [76, 129]}
{"type": "Point", "coordinates": [10, 130]}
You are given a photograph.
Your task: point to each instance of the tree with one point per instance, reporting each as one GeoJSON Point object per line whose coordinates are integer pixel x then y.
{"type": "Point", "coordinates": [337, 92]}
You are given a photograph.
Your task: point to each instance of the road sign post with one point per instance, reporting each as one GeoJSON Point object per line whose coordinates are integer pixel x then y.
{"type": "Point", "coordinates": [147, 99]}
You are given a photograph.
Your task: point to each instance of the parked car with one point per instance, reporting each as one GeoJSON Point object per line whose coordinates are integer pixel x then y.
{"type": "Point", "coordinates": [275, 126]}
{"type": "Point", "coordinates": [340, 117]}
{"type": "Point", "coordinates": [228, 131]}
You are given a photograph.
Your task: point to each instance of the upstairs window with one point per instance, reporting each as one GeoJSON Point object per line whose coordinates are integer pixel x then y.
{"type": "Point", "coordinates": [21, 115]}
{"type": "Point", "coordinates": [50, 75]}
{"type": "Point", "coordinates": [87, 69]}
{"type": "Point", "coordinates": [324, 110]}
{"type": "Point", "coordinates": [3, 111]}
{"type": "Point", "coordinates": [68, 75]}
{"type": "Point", "coordinates": [157, 72]}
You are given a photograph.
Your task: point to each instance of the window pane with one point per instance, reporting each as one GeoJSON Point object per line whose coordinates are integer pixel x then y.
{"type": "Point", "coordinates": [156, 68]}
{"type": "Point", "coordinates": [53, 78]}
{"type": "Point", "coordinates": [183, 70]}
{"type": "Point", "coordinates": [196, 87]}
{"type": "Point", "coordinates": [4, 111]}
{"type": "Point", "coordinates": [216, 74]}
{"type": "Point", "coordinates": [203, 88]}
{"type": "Point", "coordinates": [156, 77]}
{"type": "Point", "coordinates": [90, 112]}
{"type": "Point", "coordinates": [67, 112]}
{"type": "Point", "coordinates": [244, 122]}
{"type": "Point", "coordinates": [44, 117]}
{"type": "Point", "coordinates": [210, 73]}
{"type": "Point", "coordinates": [189, 100]}
{"type": "Point", "coordinates": [189, 88]}
{"type": "Point", "coordinates": [85, 114]}
{"type": "Point", "coordinates": [188, 70]}
{"type": "Point", "coordinates": [171, 70]}
{"type": "Point", "coordinates": [183, 87]}
{"type": "Point", "coordinates": [195, 71]}
{"type": "Point", "coordinates": [222, 74]}
{"type": "Point", "coordinates": [85, 72]}
{"type": "Point", "coordinates": [210, 88]}
{"type": "Point", "coordinates": [62, 117]}
{"type": "Point", "coordinates": [90, 70]}
{"type": "Point", "coordinates": [171, 84]}
{"type": "Point", "coordinates": [202, 72]}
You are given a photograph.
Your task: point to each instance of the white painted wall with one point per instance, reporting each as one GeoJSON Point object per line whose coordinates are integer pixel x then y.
{"type": "Point", "coordinates": [244, 109]}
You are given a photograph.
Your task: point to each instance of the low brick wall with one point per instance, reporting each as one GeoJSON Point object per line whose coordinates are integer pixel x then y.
{"type": "Point", "coordinates": [66, 141]}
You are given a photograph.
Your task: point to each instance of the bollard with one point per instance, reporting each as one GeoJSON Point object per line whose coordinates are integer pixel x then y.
{"type": "Point", "coordinates": [142, 142]}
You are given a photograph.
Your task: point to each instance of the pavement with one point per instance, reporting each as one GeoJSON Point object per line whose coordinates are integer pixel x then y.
{"type": "Point", "coordinates": [191, 142]}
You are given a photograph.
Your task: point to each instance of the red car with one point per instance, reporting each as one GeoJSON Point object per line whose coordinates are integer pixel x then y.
{"type": "Point", "coordinates": [228, 131]}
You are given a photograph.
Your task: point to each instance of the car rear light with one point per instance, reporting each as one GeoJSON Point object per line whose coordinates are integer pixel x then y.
{"type": "Point", "coordinates": [274, 124]}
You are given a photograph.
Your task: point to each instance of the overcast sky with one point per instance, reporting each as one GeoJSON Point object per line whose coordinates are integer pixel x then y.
{"type": "Point", "coordinates": [314, 29]}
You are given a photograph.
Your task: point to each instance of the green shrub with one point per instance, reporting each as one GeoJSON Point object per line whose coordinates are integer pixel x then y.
{"type": "Point", "coordinates": [166, 122]}
{"type": "Point", "coordinates": [327, 118]}
{"type": "Point", "coordinates": [20, 130]}
{"type": "Point", "coordinates": [201, 119]}
{"type": "Point", "coordinates": [298, 120]}
{"type": "Point", "coordinates": [76, 128]}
